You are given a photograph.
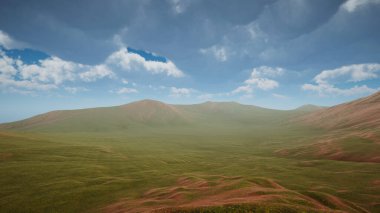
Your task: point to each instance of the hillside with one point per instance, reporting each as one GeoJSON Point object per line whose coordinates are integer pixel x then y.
{"type": "Point", "coordinates": [309, 108]}
{"type": "Point", "coordinates": [207, 157]}
{"type": "Point", "coordinates": [151, 113]}
{"type": "Point", "coordinates": [353, 132]}
{"type": "Point", "coordinates": [358, 114]}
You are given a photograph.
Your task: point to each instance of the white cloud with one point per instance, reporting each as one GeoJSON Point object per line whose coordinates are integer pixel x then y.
{"type": "Point", "coordinates": [219, 52]}
{"type": "Point", "coordinates": [352, 5]}
{"type": "Point", "coordinates": [129, 61]}
{"type": "Point", "coordinates": [52, 72]}
{"type": "Point", "coordinates": [179, 6]}
{"type": "Point", "coordinates": [260, 78]}
{"type": "Point", "coordinates": [263, 83]}
{"type": "Point", "coordinates": [354, 73]}
{"type": "Point", "coordinates": [26, 76]}
{"type": "Point", "coordinates": [279, 96]}
{"type": "Point", "coordinates": [243, 89]}
{"type": "Point", "coordinates": [325, 81]}
{"type": "Point", "coordinates": [75, 90]}
{"type": "Point", "coordinates": [96, 72]}
{"type": "Point", "coordinates": [327, 89]}
{"type": "Point", "coordinates": [7, 65]}
{"type": "Point", "coordinates": [265, 71]}
{"type": "Point", "coordinates": [25, 84]}
{"type": "Point", "coordinates": [206, 96]}
{"type": "Point", "coordinates": [6, 41]}
{"type": "Point", "coordinates": [48, 74]}
{"type": "Point", "coordinates": [126, 90]}
{"type": "Point", "coordinates": [180, 92]}
{"type": "Point", "coordinates": [52, 69]}
{"type": "Point", "coordinates": [124, 81]}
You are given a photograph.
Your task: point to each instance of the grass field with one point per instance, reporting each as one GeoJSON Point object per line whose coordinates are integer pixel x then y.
{"type": "Point", "coordinates": [180, 169]}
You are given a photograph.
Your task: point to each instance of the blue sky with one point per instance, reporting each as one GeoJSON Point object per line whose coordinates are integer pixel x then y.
{"type": "Point", "coordinates": [273, 53]}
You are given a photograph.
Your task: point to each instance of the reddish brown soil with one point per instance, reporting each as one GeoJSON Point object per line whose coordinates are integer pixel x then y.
{"type": "Point", "coordinates": [331, 147]}
{"type": "Point", "coordinates": [190, 193]}
{"type": "Point", "coordinates": [150, 110]}
{"type": "Point", "coordinates": [5, 155]}
{"type": "Point", "coordinates": [359, 114]}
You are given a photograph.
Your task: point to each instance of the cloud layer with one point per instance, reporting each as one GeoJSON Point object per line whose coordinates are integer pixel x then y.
{"type": "Point", "coordinates": [326, 80]}
{"type": "Point", "coordinates": [52, 72]}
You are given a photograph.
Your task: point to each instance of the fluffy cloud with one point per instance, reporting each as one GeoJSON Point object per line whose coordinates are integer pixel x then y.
{"type": "Point", "coordinates": [47, 74]}
{"type": "Point", "coordinates": [6, 41]}
{"type": "Point", "coordinates": [180, 92]}
{"type": "Point", "coordinates": [352, 5]}
{"type": "Point", "coordinates": [129, 61]}
{"type": "Point", "coordinates": [179, 6]}
{"type": "Point", "coordinates": [97, 72]}
{"type": "Point", "coordinates": [279, 96]}
{"type": "Point", "coordinates": [14, 74]}
{"type": "Point", "coordinates": [124, 81]}
{"type": "Point", "coordinates": [7, 65]}
{"type": "Point", "coordinates": [259, 77]}
{"type": "Point", "coordinates": [327, 89]}
{"type": "Point", "coordinates": [219, 52]}
{"type": "Point", "coordinates": [325, 81]}
{"type": "Point", "coordinates": [75, 90]}
{"type": "Point", "coordinates": [54, 70]}
{"type": "Point", "coordinates": [263, 83]}
{"type": "Point", "coordinates": [354, 73]}
{"type": "Point", "coordinates": [243, 89]}
{"type": "Point", "coordinates": [126, 90]}
{"type": "Point", "coordinates": [265, 71]}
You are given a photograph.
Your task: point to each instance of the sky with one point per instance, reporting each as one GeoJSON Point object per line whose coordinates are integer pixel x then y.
{"type": "Point", "coordinates": [281, 54]}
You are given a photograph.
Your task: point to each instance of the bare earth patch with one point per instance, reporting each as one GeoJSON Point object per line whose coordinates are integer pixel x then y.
{"type": "Point", "coordinates": [332, 147]}
{"type": "Point", "coordinates": [5, 155]}
{"type": "Point", "coordinates": [189, 193]}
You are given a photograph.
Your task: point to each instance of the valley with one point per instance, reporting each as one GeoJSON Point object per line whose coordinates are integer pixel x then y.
{"type": "Point", "coordinates": [149, 156]}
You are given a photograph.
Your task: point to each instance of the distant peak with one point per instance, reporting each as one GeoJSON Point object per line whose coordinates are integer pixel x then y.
{"type": "Point", "coordinates": [220, 102]}
{"type": "Point", "coordinates": [147, 101]}
{"type": "Point", "coordinates": [309, 107]}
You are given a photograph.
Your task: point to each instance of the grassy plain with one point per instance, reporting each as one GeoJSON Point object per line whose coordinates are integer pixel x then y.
{"type": "Point", "coordinates": [90, 171]}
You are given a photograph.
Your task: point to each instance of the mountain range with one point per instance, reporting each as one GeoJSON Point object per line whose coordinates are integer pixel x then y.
{"type": "Point", "coordinates": [362, 114]}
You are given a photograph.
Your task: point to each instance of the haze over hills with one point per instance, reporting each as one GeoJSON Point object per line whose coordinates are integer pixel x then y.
{"type": "Point", "coordinates": [149, 155]}
{"type": "Point", "coordinates": [353, 132]}
{"type": "Point", "coordinates": [357, 114]}
{"type": "Point", "coordinates": [349, 129]}
{"type": "Point", "coordinates": [309, 108]}
{"type": "Point", "coordinates": [153, 113]}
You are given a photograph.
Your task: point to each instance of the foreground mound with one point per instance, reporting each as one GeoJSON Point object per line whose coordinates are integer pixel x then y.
{"type": "Point", "coordinates": [353, 132]}
{"type": "Point", "coordinates": [358, 114]}
{"type": "Point", "coordinates": [226, 194]}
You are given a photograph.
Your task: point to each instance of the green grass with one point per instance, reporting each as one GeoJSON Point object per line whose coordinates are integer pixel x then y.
{"type": "Point", "coordinates": [83, 172]}
{"type": "Point", "coordinates": [82, 161]}
{"type": "Point", "coordinates": [242, 208]}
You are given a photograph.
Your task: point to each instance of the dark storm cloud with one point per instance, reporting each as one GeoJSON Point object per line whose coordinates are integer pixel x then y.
{"type": "Point", "coordinates": [83, 30]}
{"type": "Point", "coordinates": [252, 32]}
{"type": "Point", "coordinates": [76, 30]}
{"type": "Point", "coordinates": [347, 37]}
{"type": "Point", "coordinates": [215, 45]}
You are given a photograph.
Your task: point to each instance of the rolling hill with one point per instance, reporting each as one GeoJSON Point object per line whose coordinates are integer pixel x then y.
{"type": "Point", "coordinates": [353, 132]}
{"type": "Point", "coordinates": [151, 113]}
{"type": "Point", "coordinates": [358, 114]}
{"type": "Point", "coordinates": [208, 157]}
